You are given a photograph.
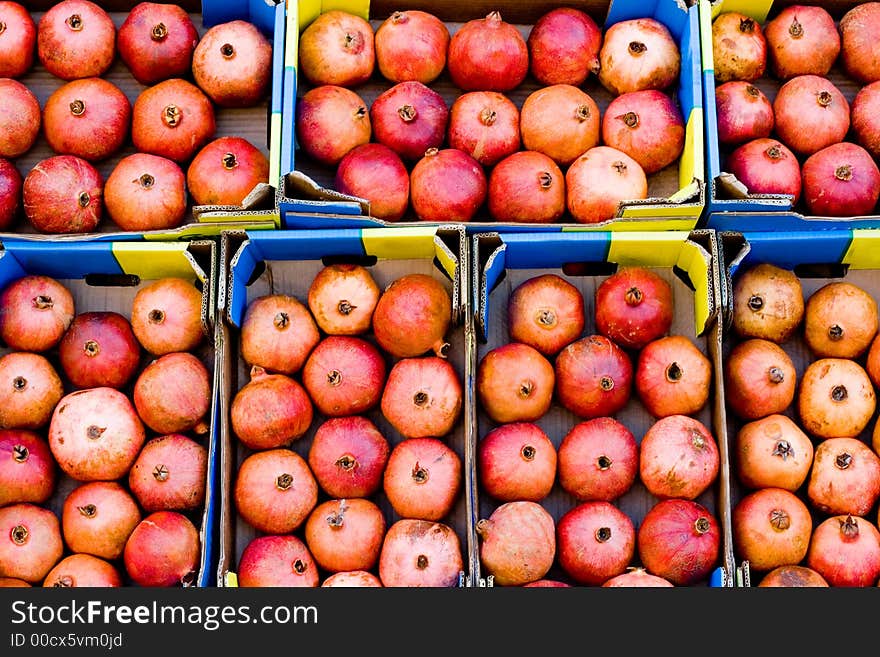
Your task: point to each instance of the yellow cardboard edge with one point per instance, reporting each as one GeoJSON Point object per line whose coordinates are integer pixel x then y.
{"type": "Point", "coordinates": [445, 257]}
{"type": "Point", "coordinates": [309, 10]}
{"type": "Point", "coordinates": [864, 249]}
{"type": "Point", "coordinates": [691, 166]}
{"type": "Point", "coordinates": [399, 243]}
{"type": "Point", "coordinates": [704, 13]}
{"type": "Point", "coordinates": [756, 9]}
{"type": "Point", "coordinates": [152, 260]}
{"type": "Point", "coordinates": [230, 580]}
{"type": "Point", "coordinates": [291, 31]}
{"type": "Point", "coordinates": [692, 259]}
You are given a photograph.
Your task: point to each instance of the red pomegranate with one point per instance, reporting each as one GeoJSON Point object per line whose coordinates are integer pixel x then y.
{"type": "Point", "coordinates": [564, 46]}
{"type": "Point", "coordinates": [170, 474]}
{"type": "Point", "coordinates": [352, 578]}
{"type": "Point", "coordinates": [22, 118]}
{"type": "Point", "coordinates": [420, 553]}
{"type": "Point", "coordinates": [516, 461]}
{"type": "Point", "coordinates": [739, 48]}
{"type": "Point", "coordinates": [422, 479]}
{"type": "Point", "coordinates": [599, 181]}
{"type": "Point", "coordinates": [422, 397]}
{"type": "Point", "coordinates": [225, 171]}
{"type": "Point", "coordinates": [30, 542]}
{"type": "Point", "coordinates": [561, 121]}
{"type": "Point", "coordinates": [673, 376]}
{"type": "Point", "coordinates": [598, 460]}
{"type": "Point", "coordinates": [375, 173]}
{"type": "Point", "coordinates": [515, 383]}
{"type": "Point", "coordinates": [771, 528]}
{"type": "Point", "coordinates": [344, 375]}
{"type": "Point", "coordinates": [678, 458]}
{"type": "Point", "coordinates": [330, 121]}
{"type": "Point", "coordinates": [76, 39]}
{"type": "Point", "coordinates": [409, 118]}
{"type": "Point", "coordinates": [156, 42]}
{"type": "Point", "coordinates": [95, 434]}
{"type": "Point", "coordinates": [845, 551]}
{"type": "Point", "coordinates": [27, 468]}
{"type": "Point", "coordinates": [411, 45]}
{"type": "Point", "coordinates": [163, 550]}
{"type": "Point", "coordinates": [638, 54]}
{"type": "Point", "coordinates": [98, 517]}
{"type": "Point", "coordinates": [759, 379]}
{"type": "Point", "coordinates": [596, 541]}
{"type": "Point", "coordinates": [772, 452]}
{"type": "Point", "coordinates": [83, 570]}
{"type": "Point", "coordinates": [18, 40]}
{"type": "Point", "coordinates": [232, 64]}
{"type": "Point", "coordinates": [844, 478]}
{"type": "Point", "coordinates": [146, 192]}
{"type": "Point", "coordinates": [10, 194]}
{"type": "Point", "coordinates": [342, 298]}
{"type": "Point", "coordinates": [811, 113]}
{"type": "Point", "coordinates": [744, 112]}
{"type": "Point", "coordinates": [275, 561]}
{"type": "Point", "coordinates": [63, 194]}
{"type": "Point", "coordinates": [173, 394]}
{"type": "Point", "coordinates": [526, 187]}
{"type": "Point", "coordinates": [766, 166]}
{"type": "Point", "coordinates": [29, 390]}
{"type": "Point", "coordinates": [857, 39]}
{"type": "Point", "coordinates": [447, 185]}
{"type": "Point", "coordinates": [864, 118]}
{"type": "Point", "coordinates": [412, 316]}
{"type": "Point", "coordinates": [99, 349]}
{"type": "Point", "coordinates": [485, 125]}
{"type": "Point", "coordinates": [345, 534]}
{"type": "Point", "coordinates": [801, 40]}
{"type": "Point", "coordinates": [517, 543]}
{"type": "Point", "coordinates": [637, 578]}
{"type": "Point", "coordinates": [487, 54]}
{"type": "Point", "coordinates": [274, 491]}
{"type": "Point", "coordinates": [593, 377]}
{"type": "Point", "coordinates": [278, 333]}
{"type": "Point", "coordinates": [166, 316]}
{"type": "Point", "coordinates": [285, 410]}
{"type": "Point", "coordinates": [545, 312]}
{"type": "Point", "coordinates": [348, 456]}
{"type": "Point", "coordinates": [633, 307]}
{"type": "Point", "coordinates": [841, 180]}
{"type": "Point", "coordinates": [35, 311]}
{"type": "Point", "coordinates": [337, 48]}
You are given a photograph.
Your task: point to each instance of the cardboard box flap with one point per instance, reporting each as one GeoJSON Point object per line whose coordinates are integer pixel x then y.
{"type": "Point", "coordinates": [259, 12]}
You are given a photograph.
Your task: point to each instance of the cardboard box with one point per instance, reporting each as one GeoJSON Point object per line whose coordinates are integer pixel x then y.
{"type": "Point", "coordinates": [818, 258]}
{"type": "Point", "coordinates": [260, 125]}
{"type": "Point", "coordinates": [676, 194]}
{"type": "Point", "coordinates": [256, 264]}
{"type": "Point", "coordinates": [689, 262]}
{"type": "Point", "coordinates": [105, 276]}
{"type": "Point", "coordinates": [729, 206]}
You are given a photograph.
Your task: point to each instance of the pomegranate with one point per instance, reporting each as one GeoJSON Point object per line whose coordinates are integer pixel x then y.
{"type": "Point", "coordinates": [83, 570]}
{"type": "Point", "coordinates": [98, 517]}
{"type": "Point", "coordinates": [633, 307]}
{"type": "Point", "coordinates": [10, 194]}
{"type": "Point", "coordinates": [759, 379]}
{"type": "Point", "coordinates": [564, 46]}
{"type": "Point", "coordinates": [766, 166]}
{"type": "Point", "coordinates": [545, 583]}
{"type": "Point", "coordinates": [845, 477]}
{"type": "Point", "coordinates": [840, 320]}
{"type": "Point", "coordinates": [561, 121]}
{"type": "Point", "coordinates": [857, 40]}
{"type": "Point", "coordinates": [864, 118]}
{"type": "Point", "coordinates": [88, 117]}
{"type": "Point", "coordinates": [744, 112]}
{"type": "Point", "coordinates": [173, 394]}
{"type": "Point", "coordinates": [345, 534]}
{"type": "Point", "coordinates": [672, 376]}
{"type": "Point", "coordinates": [352, 578]}
{"type": "Point", "coordinates": [422, 479]}
{"type": "Point", "coordinates": [30, 542]}
{"type": "Point", "coordinates": [678, 457]}
{"type": "Point", "coordinates": [342, 298]}
{"type": "Point", "coordinates": [447, 185]}
{"type": "Point", "coordinates": [596, 541]}
{"type": "Point", "coordinates": [330, 121]}
{"type": "Point", "coordinates": [163, 550]}
{"type": "Point", "coordinates": [515, 383]}
{"type": "Point", "coordinates": [156, 42]}
{"type": "Point", "coordinates": [412, 316]}
{"type": "Point", "coordinates": [772, 452]}
{"type": "Point", "coordinates": [599, 180]}
{"type": "Point", "coordinates": [679, 540]}
{"type": "Point", "coordinates": [99, 349]}
{"type": "Point", "coordinates": [835, 398]}
{"type": "Point", "coordinates": [22, 117]}
{"type": "Point", "coordinates": [516, 461]}
{"type": "Point", "coordinates": [13, 582]}
{"type": "Point", "coordinates": [277, 561]}
{"type": "Point", "coordinates": [545, 312]}
{"type": "Point", "coordinates": [739, 47]}
{"type": "Point", "coordinates": [63, 194]}
{"type": "Point", "coordinates": [841, 180]}
{"type": "Point", "coordinates": [376, 174]}
{"type": "Point", "coordinates": [646, 125]}
{"type": "Point", "coordinates": [166, 316]}
{"type": "Point", "coordinates": [411, 45]}
{"type": "Point", "coordinates": [845, 551]}
{"type": "Point", "coordinates": [517, 543]}
{"type": "Point", "coordinates": [278, 333]}
{"type": "Point", "coordinates": [275, 491]}
{"type": "Point", "coordinates": [232, 64]}
{"type": "Point", "coordinates": [18, 40]}
{"type": "Point", "coordinates": [35, 311]}
{"type": "Point", "coordinates": [792, 576]}
{"type": "Point", "coordinates": [348, 456]}
{"type": "Point", "coordinates": [76, 39]}
{"type": "Point", "coordinates": [637, 578]}
{"type": "Point", "coordinates": [27, 468]}
{"type": "Point", "coordinates": [337, 48]}
{"type": "Point", "coordinates": [170, 474]}
{"type": "Point", "coordinates": [29, 390]}
{"type": "Point", "coordinates": [487, 54]}
{"type": "Point", "coordinates": [146, 192]}
{"type": "Point", "coordinates": [526, 187]}
{"type": "Point", "coordinates": [872, 361]}
{"type": "Point", "coordinates": [420, 553]}
{"type": "Point", "coordinates": [173, 119]}
{"type": "Point", "coordinates": [225, 171]}
{"type": "Point", "coordinates": [638, 54]}
{"type": "Point", "coordinates": [771, 528]}
{"type": "Point", "coordinates": [811, 113]}
{"type": "Point", "coordinates": [594, 377]}
{"type": "Point", "coordinates": [95, 434]}
{"type": "Point", "coordinates": [801, 40]}
{"type": "Point", "coordinates": [422, 397]}
{"type": "Point", "coordinates": [485, 125]}
{"type": "Point", "coordinates": [344, 375]}
{"type": "Point", "coordinates": [409, 118]}
{"type": "Point", "coordinates": [285, 411]}
{"type": "Point", "coordinates": [598, 460]}
{"type": "Point", "coordinates": [768, 302]}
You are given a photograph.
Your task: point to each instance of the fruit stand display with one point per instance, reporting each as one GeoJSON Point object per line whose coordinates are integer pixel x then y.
{"type": "Point", "coordinates": [800, 386]}
{"type": "Point", "coordinates": [344, 419]}
{"type": "Point", "coordinates": [601, 458]}
{"type": "Point", "coordinates": [107, 414]}
{"type": "Point", "coordinates": [497, 124]}
{"type": "Point", "coordinates": [149, 128]}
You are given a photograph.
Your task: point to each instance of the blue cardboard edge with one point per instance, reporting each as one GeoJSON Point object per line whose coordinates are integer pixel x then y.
{"type": "Point", "coordinates": [259, 12]}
